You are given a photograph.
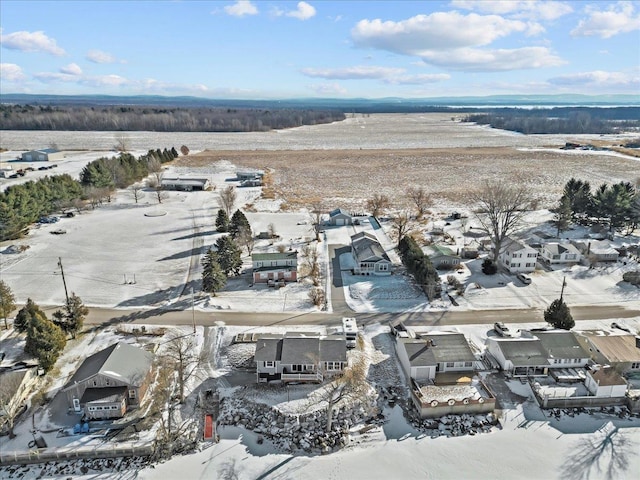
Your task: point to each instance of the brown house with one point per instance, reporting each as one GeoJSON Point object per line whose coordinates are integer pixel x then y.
{"type": "Point", "coordinates": [109, 382]}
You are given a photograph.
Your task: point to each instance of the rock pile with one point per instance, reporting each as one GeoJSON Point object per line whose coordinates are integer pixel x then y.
{"type": "Point", "coordinates": [292, 433]}
{"type": "Point", "coordinates": [456, 425]}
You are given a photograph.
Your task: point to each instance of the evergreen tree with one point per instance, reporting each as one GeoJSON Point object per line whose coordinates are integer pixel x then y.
{"type": "Point", "coordinates": [222, 221]}
{"type": "Point", "coordinates": [174, 152]}
{"type": "Point", "coordinates": [559, 315]}
{"type": "Point", "coordinates": [238, 222]}
{"type": "Point", "coordinates": [562, 215]}
{"type": "Point", "coordinates": [213, 278]}
{"type": "Point", "coordinates": [45, 341]}
{"type": "Point", "coordinates": [26, 314]}
{"type": "Point", "coordinates": [229, 255]}
{"type": "Point", "coordinates": [71, 318]}
{"type": "Point", "coordinates": [7, 302]}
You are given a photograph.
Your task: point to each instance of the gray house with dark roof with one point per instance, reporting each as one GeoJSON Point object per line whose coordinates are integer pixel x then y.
{"type": "Point", "coordinates": [340, 217]}
{"type": "Point", "coordinates": [430, 354]}
{"type": "Point", "coordinates": [297, 357]}
{"type": "Point", "coordinates": [110, 381]}
{"type": "Point", "coordinates": [369, 255]}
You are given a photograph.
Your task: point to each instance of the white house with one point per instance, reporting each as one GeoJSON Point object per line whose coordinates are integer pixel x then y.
{"type": "Point", "coordinates": [369, 255]}
{"type": "Point", "coordinates": [275, 267]}
{"type": "Point", "coordinates": [518, 257]}
{"type": "Point", "coordinates": [185, 184]}
{"type": "Point", "coordinates": [597, 250]}
{"type": "Point", "coordinates": [555, 253]}
{"type": "Point", "coordinates": [605, 382]}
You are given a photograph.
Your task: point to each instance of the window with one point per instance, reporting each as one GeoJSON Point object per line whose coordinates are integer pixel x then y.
{"type": "Point", "coordinates": [530, 264]}
{"type": "Point", "coordinates": [95, 384]}
{"type": "Point", "coordinates": [332, 365]}
{"type": "Point", "coordinates": [451, 364]}
{"type": "Point", "coordinates": [635, 365]}
{"type": "Point", "coordinates": [269, 364]}
{"type": "Point", "coordinates": [106, 382]}
{"type": "Point", "coordinates": [132, 393]}
{"type": "Point", "coordinates": [92, 409]}
{"type": "Point", "coordinates": [532, 255]}
{"type": "Point", "coordinates": [383, 267]}
{"type": "Point", "coordinates": [468, 364]}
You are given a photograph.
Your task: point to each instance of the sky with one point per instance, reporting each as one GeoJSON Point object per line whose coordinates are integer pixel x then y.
{"type": "Point", "coordinates": [313, 49]}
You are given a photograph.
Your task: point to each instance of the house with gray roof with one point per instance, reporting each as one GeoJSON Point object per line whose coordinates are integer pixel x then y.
{"type": "Point", "coordinates": [517, 257]}
{"type": "Point", "coordinates": [369, 255]}
{"type": "Point", "coordinates": [275, 267]}
{"type": "Point", "coordinates": [340, 217]}
{"type": "Point", "coordinates": [538, 353]}
{"type": "Point", "coordinates": [427, 355]}
{"type": "Point", "coordinates": [442, 256]}
{"type": "Point", "coordinates": [556, 253]}
{"type": "Point", "coordinates": [185, 184]}
{"type": "Point", "coordinates": [621, 352]}
{"type": "Point", "coordinates": [299, 357]}
{"type": "Point", "coordinates": [110, 382]}
{"type": "Point", "coordinates": [597, 250]}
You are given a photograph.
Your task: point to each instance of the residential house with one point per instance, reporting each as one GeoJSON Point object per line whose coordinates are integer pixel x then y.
{"type": "Point", "coordinates": [244, 175]}
{"type": "Point", "coordinates": [43, 155]}
{"type": "Point", "coordinates": [340, 217]}
{"type": "Point", "coordinates": [622, 352]}
{"type": "Point", "coordinates": [185, 184]}
{"type": "Point", "coordinates": [538, 353]}
{"type": "Point", "coordinates": [597, 250]}
{"type": "Point", "coordinates": [299, 357]}
{"type": "Point", "coordinates": [369, 255]}
{"type": "Point", "coordinates": [518, 257]}
{"type": "Point", "coordinates": [442, 256]}
{"type": "Point", "coordinates": [556, 253]}
{"type": "Point", "coordinates": [15, 387]}
{"type": "Point", "coordinates": [110, 381]}
{"type": "Point", "coordinates": [275, 267]}
{"type": "Point", "coordinates": [440, 368]}
{"type": "Point", "coordinates": [604, 381]}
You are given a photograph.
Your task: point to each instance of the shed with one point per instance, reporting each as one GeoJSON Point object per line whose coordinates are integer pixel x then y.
{"type": "Point", "coordinates": [43, 155]}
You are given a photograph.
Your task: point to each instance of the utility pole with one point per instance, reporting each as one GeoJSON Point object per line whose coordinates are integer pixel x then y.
{"type": "Point", "coordinates": [193, 312]}
{"type": "Point", "coordinates": [66, 293]}
{"type": "Point", "coordinates": [564, 284]}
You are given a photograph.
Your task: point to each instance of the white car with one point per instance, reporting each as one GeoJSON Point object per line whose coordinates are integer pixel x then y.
{"type": "Point", "coordinates": [523, 278]}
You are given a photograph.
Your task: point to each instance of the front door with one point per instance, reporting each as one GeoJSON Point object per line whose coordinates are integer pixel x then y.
{"type": "Point", "coordinates": [76, 404]}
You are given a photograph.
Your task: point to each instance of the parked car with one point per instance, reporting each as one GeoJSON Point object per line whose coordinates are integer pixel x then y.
{"type": "Point", "coordinates": [523, 278]}
{"type": "Point", "coordinates": [501, 329]}
{"type": "Point", "coordinates": [59, 231]}
{"type": "Point", "coordinates": [43, 168]}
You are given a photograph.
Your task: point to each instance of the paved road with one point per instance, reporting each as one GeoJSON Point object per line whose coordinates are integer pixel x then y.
{"type": "Point", "coordinates": [164, 316]}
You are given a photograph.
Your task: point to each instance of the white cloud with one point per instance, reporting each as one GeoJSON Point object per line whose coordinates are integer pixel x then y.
{"type": "Point", "coordinates": [303, 12]}
{"type": "Point", "coordinates": [437, 31]}
{"type": "Point", "coordinates": [98, 56]}
{"type": "Point", "coordinates": [241, 8]}
{"type": "Point", "coordinates": [419, 79]}
{"type": "Point", "coordinates": [353, 73]}
{"type": "Point", "coordinates": [598, 78]}
{"type": "Point", "coordinates": [71, 69]}
{"type": "Point", "coordinates": [52, 77]}
{"type": "Point", "coordinates": [328, 89]}
{"type": "Point", "coordinates": [31, 42]}
{"type": "Point", "coordinates": [10, 72]}
{"type": "Point", "coordinates": [105, 81]}
{"type": "Point", "coordinates": [618, 18]}
{"type": "Point", "coordinates": [478, 60]}
{"type": "Point", "coordinates": [532, 9]}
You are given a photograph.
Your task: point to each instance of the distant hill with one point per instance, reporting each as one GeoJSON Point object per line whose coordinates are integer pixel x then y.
{"type": "Point", "coordinates": [359, 105]}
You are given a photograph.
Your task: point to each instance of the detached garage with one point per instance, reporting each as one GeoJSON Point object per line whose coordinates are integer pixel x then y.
{"type": "Point", "coordinates": [44, 155]}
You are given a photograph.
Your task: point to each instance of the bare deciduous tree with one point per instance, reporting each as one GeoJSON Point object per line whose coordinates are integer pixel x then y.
{"type": "Point", "coordinates": [317, 208]}
{"type": "Point", "coordinates": [10, 404]}
{"type": "Point", "coordinates": [122, 142]}
{"type": "Point", "coordinates": [378, 204]}
{"type": "Point", "coordinates": [136, 191]}
{"type": "Point", "coordinates": [420, 199]}
{"type": "Point", "coordinates": [310, 260]}
{"type": "Point", "coordinates": [401, 224]}
{"type": "Point", "coordinates": [181, 354]}
{"type": "Point", "coordinates": [317, 296]}
{"type": "Point", "coordinates": [228, 197]}
{"type": "Point", "coordinates": [246, 238]}
{"type": "Point", "coordinates": [155, 183]}
{"type": "Point", "coordinates": [502, 208]}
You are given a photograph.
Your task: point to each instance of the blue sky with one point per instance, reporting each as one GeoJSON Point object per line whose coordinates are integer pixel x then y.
{"type": "Point", "coordinates": [370, 49]}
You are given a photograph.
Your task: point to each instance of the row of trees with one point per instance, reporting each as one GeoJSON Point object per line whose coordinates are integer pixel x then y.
{"type": "Point", "coordinates": [420, 266]}
{"type": "Point", "coordinates": [22, 205]}
{"type": "Point", "coordinates": [616, 205]}
{"type": "Point", "coordinates": [139, 118]}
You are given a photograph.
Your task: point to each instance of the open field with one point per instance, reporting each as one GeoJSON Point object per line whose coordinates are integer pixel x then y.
{"type": "Point", "coordinates": [349, 177]}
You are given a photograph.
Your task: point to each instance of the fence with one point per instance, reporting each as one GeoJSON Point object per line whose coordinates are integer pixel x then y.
{"type": "Point", "coordinates": [63, 454]}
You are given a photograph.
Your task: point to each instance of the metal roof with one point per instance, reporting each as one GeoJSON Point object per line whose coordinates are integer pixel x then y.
{"type": "Point", "coordinates": [561, 344]}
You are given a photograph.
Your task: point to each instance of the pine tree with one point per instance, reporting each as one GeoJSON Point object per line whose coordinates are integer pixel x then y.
{"type": "Point", "coordinates": [213, 278]}
{"type": "Point", "coordinates": [25, 315]}
{"type": "Point", "coordinates": [71, 319]}
{"type": "Point", "coordinates": [238, 222]}
{"type": "Point", "coordinates": [7, 302]}
{"type": "Point", "coordinates": [222, 221]}
{"type": "Point", "coordinates": [229, 255]}
{"type": "Point", "coordinates": [45, 341]}
{"type": "Point", "coordinates": [562, 215]}
{"type": "Point", "coordinates": [559, 315]}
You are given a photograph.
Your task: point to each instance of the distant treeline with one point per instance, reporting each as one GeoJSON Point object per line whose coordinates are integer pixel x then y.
{"type": "Point", "coordinates": [561, 120]}
{"type": "Point", "coordinates": [23, 204]}
{"type": "Point", "coordinates": [158, 119]}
